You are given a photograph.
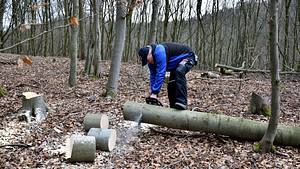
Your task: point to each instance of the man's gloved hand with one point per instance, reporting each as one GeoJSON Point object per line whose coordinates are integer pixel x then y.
{"type": "Point", "coordinates": [152, 99]}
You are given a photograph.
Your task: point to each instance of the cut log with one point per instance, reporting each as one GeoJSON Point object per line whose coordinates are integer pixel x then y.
{"type": "Point", "coordinates": [93, 120]}
{"type": "Point", "coordinates": [33, 106]}
{"type": "Point", "coordinates": [210, 75]}
{"type": "Point", "coordinates": [199, 121]}
{"type": "Point", "coordinates": [235, 69]}
{"type": "Point", "coordinates": [105, 138]}
{"type": "Point", "coordinates": [81, 148]}
{"type": "Point", "coordinates": [259, 105]}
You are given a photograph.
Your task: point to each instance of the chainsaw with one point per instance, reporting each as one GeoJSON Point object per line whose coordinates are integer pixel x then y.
{"type": "Point", "coordinates": [153, 101]}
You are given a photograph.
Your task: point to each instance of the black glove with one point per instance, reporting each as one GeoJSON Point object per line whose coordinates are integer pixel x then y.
{"type": "Point", "coordinates": [153, 101]}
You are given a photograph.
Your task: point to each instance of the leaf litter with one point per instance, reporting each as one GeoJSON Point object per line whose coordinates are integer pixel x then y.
{"type": "Point", "coordinates": [158, 147]}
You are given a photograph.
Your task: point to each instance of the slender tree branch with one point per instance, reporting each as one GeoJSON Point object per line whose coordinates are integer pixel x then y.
{"type": "Point", "coordinates": [26, 40]}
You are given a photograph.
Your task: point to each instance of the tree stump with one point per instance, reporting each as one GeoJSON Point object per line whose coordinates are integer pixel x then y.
{"type": "Point", "coordinates": [81, 148]}
{"type": "Point", "coordinates": [33, 106]}
{"type": "Point", "coordinates": [259, 105]}
{"type": "Point", "coordinates": [95, 121]}
{"type": "Point", "coordinates": [105, 138]}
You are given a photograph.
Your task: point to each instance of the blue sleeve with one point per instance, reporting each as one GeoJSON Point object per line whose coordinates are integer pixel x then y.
{"type": "Point", "coordinates": [160, 70]}
{"type": "Point", "coordinates": [152, 74]}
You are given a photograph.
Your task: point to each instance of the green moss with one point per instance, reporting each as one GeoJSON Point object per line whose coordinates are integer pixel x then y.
{"type": "Point", "coordinates": [95, 77]}
{"type": "Point", "coordinates": [111, 94]}
{"type": "Point", "coordinates": [3, 91]}
{"type": "Point", "coordinates": [257, 147]}
{"type": "Point", "coordinates": [266, 111]}
{"type": "Point", "coordinates": [273, 149]}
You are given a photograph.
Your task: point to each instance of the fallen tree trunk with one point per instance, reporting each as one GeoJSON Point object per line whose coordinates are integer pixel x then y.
{"type": "Point", "coordinates": [235, 69]}
{"type": "Point", "coordinates": [215, 123]}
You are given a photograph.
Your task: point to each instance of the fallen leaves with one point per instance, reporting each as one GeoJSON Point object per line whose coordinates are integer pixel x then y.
{"type": "Point", "coordinates": [142, 148]}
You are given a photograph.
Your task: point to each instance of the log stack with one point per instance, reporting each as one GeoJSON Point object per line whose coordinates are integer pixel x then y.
{"type": "Point", "coordinates": [83, 148]}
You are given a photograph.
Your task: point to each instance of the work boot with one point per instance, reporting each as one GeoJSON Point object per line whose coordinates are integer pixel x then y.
{"type": "Point", "coordinates": [179, 106]}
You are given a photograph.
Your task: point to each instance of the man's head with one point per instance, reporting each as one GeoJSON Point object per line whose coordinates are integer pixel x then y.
{"type": "Point", "coordinates": [146, 55]}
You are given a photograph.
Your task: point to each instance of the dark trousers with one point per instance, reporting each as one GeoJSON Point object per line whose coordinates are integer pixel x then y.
{"type": "Point", "coordinates": [177, 89]}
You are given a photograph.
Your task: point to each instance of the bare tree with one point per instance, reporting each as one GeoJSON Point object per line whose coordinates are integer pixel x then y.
{"type": "Point", "coordinates": [112, 85]}
{"type": "Point", "coordinates": [2, 10]}
{"type": "Point", "coordinates": [66, 33]}
{"type": "Point", "coordinates": [154, 20]}
{"type": "Point", "coordinates": [268, 138]}
{"type": "Point", "coordinates": [166, 21]}
{"type": "Point", "coordinates": [82, 47]}
{"type": "Point", "coordinates": [286, 35]}
{"type": "Point", "coordinates": [74, 44]}
{"type": "Point", "coordinates": [96, 58]}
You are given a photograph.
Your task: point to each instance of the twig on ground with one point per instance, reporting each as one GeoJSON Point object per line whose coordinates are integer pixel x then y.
{"type": "Point", "coordinates": [175, 134]}
{"type": "Point", "coordinates": [231, 79]}
{"type": "Point", "coordinates": [16, 145]}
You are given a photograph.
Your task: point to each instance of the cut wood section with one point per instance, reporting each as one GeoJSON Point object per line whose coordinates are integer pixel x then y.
{"type": "Point", "coordinates": [92, 120]}
{"type": "Point", "coordinates": [81, 148]}
{"type": "Point", "coordinates": [33, 105]}
{"type": "Point", "coordinates": [215, 123]}
{"type": "Point", "coordinates": [105, 138]}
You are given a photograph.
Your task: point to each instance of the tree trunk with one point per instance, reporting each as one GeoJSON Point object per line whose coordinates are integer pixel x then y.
{"type": "Point", "coordinates": [112, 85]}
{"type": "Point", "coordinates": [33, 30]}
{"type": "Point", "coordinates": [82, 48]}
{"type": "Point", "coordinates": [166, 21]}
{"type": "Point", "coordinates": [74, 46]}
{"type": "Point", "coordinates": [154, 20]}
{"type": "Point", "coordinates": [2, 10]}
{"type": "Point", "coordinates": [66, 33]}
{"type": "Point", "coordinates": [268, 139]}
{"type": "Point", "coordinates": [199, 121]}
{"type": "Point", "coordinates": [285, 59]}
{"type": "Point", "coordinates": [89, 56]}
{"type": "Point", "coordinates": [33, 105]}
{"type": "Point", "coordinates": [45, 28]}
{"type": "Point", "coordinates": [96, 65]}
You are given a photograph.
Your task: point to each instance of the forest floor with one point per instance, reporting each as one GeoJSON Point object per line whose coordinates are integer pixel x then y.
{"type": "Point", "coordinates": [144, 148]}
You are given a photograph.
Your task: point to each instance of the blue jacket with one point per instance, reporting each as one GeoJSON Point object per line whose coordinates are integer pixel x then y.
{"type": "Point", "coordinates": [167, 57]}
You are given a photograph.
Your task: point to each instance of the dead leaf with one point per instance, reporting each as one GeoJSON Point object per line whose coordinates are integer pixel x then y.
{"type": "Point", "coordinates": [74, 21]}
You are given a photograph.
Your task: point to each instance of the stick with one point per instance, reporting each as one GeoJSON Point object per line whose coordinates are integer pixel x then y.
{"type": "Point", "coordinates": [26, 40]}
{"type": "Point", "coordinates": [251, 70]}
{"type": "Point", "coordinates": [16, 145]}
{"type": "Point", "coordinates": [174, 134]}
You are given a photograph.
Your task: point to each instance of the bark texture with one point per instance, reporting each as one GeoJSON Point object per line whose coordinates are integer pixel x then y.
{"type": "Point", "coordinates": [33, 106]}
{"type": "Point", "coordinates": [74, 47]}
{"type": "Point", "coordinates": [95, 121]}
{"type": "Point", "coordinates": [112, 85]}
{"type": "Point", "coordinates": [105, 138]}
{"type": "Point", "coordinates": [270, 134]}
{"type": "Point", "coordinates": [199, 121]}
{"type": "Point", "coordinates": [153, 24]}
{"type": "Point", "coordinates": [81, 148]}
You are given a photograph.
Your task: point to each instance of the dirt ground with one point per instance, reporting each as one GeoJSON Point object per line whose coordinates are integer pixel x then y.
{"type": "Point", "coordinates": [144, 148]}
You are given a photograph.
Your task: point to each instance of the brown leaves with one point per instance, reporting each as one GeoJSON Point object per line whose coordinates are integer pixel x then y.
{"type": "Point", "coordinates": [74, 21]}
{"type": "Point", "coordinates": [24, 60]}
{"type": "Point", "coordinates": [145, 148]}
